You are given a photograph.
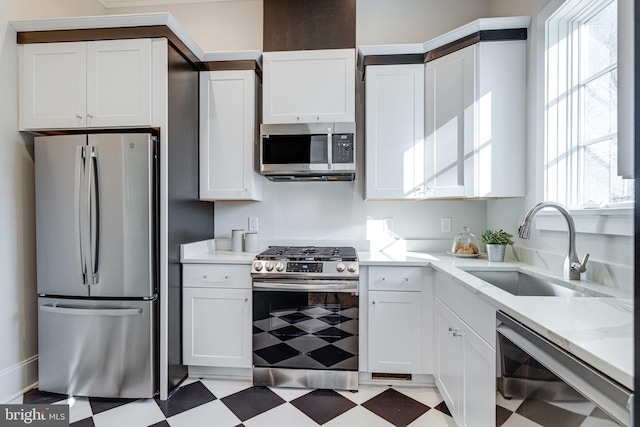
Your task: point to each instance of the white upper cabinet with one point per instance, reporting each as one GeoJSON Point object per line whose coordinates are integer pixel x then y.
{"type": "Point", "coordinates": [228, 136]}
{"type": "Point", "coordinates": [309, 86]}
{"type": "Point", "coordinates": [449, 124]}
{"type": "Point", "coordinates": [119, 83]}
{"type": "Point", "coordinates": [94, 84]}
{"type": "Point", "coordinates": [394, 131]}
{"type": "Point", "coordinates": [475, 121]}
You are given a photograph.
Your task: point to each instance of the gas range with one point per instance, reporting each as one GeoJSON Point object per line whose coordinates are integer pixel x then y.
{"type": "Point", "coordinates": [306, 262]}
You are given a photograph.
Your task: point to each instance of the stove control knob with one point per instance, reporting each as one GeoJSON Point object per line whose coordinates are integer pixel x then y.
{"type": "Point", "coordinates": [279, 266]}
{"type": "Point", "coordinates": [257, 266]}
{"type": "Point", "coordinates": [340, 267]}
{"type": "Point", "coordinates": [268, 266]}
{"type": "Point", "coordinates": [352, 267]}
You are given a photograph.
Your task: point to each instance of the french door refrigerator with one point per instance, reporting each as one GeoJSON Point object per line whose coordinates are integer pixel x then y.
{"type": "Point", "coordinates": [96, 261]}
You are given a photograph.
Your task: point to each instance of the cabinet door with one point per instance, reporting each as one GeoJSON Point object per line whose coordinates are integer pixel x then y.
{"type": "Point", "coordinates": [479, 373]}
{"type": "Point", "coordinates": [450, 124]}
{"type": "Point", "coordinates": [52, 85]}
{"type": "Point", "coordinates": [395, 334]}
{"type": "Point", "coordinates": [309, 86]}
{"type": "Point", "coordinates": [394, 110]}
{"type": "Point", "coordinates": [228, 136]}
{"type": "Point", "coordinates": [217, 327]}
{"type": "Point", "coordinates": [119, 83]}
{"type": "Point", "coordinates": [448, 358]}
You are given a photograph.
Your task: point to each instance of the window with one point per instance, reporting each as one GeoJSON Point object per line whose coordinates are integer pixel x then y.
{"type": "Point", "coordinates": [581, 96]}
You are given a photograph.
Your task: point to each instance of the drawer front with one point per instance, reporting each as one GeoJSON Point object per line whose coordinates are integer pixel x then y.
{"type": "Point", "coordinates": [216, 276]}
{"type": "Point", "coordinates": [395, 278]}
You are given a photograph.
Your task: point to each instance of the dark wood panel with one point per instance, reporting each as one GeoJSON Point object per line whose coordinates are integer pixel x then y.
{"type": "Point", "coordinates": [308, 24]}
{"type": "Point", "coordinates": [407, 58]}
{"type": "Point", "coordinates": [119, 33]}
{"type": "Point", "coordinates": [189, 219]}
{"type": "Point", "coordinates": [480, 36]}
{"type": "Point", "coordinates": [248, 64]}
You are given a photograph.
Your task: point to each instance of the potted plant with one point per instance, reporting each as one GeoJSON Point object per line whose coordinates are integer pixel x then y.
{"type": "Point", "coordinates": [496, 242]}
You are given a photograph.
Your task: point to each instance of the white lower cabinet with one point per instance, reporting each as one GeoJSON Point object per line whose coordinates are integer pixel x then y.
{"type": "Point", "coordinates": [465, 365]}
{"type": "Point", "coordinates": [398, 326]}
{"type": "Point", "coordinates": [217, 316]}
{"type": "Point", "coordinates": [395, 332]}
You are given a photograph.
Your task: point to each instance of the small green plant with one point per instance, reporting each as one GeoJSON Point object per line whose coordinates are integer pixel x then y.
{"type": "Point", "coordinates": [490, 237]}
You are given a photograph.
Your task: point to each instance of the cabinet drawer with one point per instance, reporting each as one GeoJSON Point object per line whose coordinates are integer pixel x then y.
{"type": "Point", "coordinates": [216, 276]}
{"type": "Point", "coordinates": [395, 278]}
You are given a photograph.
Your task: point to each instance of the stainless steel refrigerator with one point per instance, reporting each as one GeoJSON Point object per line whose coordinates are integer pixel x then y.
{"type": "Point", "coordinates": [96, 260]}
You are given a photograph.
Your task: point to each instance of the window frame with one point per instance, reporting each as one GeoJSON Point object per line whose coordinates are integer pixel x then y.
{"type": "Point", "coordinates": [615, 219]}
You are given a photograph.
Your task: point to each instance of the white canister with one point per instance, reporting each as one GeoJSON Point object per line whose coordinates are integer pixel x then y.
{"type": "Point", "coordinates": [236, 240]}
{"type": "Point", "coordinates": [251, 242]}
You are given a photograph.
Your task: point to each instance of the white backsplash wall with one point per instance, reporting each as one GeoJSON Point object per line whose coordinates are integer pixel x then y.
{"type": "Point", "coordinates": [336, 211]}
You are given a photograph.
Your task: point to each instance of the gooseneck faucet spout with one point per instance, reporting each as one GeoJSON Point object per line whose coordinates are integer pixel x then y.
{"type": "Point", "coordinates": [573, 266]}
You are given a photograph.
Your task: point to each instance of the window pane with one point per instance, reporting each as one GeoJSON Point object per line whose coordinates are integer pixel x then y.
{"type": "Point", "coordinates": [601, 184]}
{"type": "Point", "coordinates": [600, 107]}
{"type": "Point", "coordinates": [599, 41]}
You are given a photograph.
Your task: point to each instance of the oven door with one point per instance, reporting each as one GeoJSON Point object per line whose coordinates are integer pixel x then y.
{"type": "Point", "coordinates": [306, 325]}
{"type": "Point", "coordinates": [550, 386]}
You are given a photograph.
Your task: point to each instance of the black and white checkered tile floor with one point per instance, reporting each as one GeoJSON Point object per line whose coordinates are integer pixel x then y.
{"type": "Point", "coordinates": [218, 403]}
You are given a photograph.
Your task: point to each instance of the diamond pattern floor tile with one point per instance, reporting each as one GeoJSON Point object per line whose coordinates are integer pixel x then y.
{"type": "Point", "coordinates": [36, 396]}
{"type": "Point", "coordinates": [323, 405]}
{"type": "Point", "coordinates": [395, 407]}
{"type": "Point", "coordinates": [99, 404]}
{"type": "Point", "coordinates": [185, 398]}
{"type": "Point", "coordinates": [252, 401]}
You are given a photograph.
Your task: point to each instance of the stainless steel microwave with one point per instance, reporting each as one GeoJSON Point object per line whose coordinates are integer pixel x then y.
{"type": "Point", "coordinates": [308, 152]}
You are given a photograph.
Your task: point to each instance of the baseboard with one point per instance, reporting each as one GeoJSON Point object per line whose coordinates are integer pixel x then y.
{"type": "Point", "coordinates": [18, 379]}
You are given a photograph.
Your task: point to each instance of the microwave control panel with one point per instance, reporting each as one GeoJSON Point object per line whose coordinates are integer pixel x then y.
{"type": "Point", "coordinates": [343, 148]}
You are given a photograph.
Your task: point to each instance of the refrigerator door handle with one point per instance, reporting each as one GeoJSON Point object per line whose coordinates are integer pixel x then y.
{"type": "Point", "coordinates": [80, 311]}
{"type": "Point", "coordinates": [78, 208]}
{"type": "Point", "coordinates": [85, 217]}
{"type": "Point", "coordinates": [93, 200]}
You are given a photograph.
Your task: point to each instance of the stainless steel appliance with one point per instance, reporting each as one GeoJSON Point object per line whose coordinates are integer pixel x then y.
{"type": "Point", "coordinates": [96, 261]}
{"type": "Point", "coordinates": [305, 317]}
{"type": "Point", "coordinates": [308, 152]}
{"type": "Point", "coordinates": [556, 388]}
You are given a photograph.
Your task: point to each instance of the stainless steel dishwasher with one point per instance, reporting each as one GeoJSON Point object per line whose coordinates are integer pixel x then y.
{"type": "Point", "coordinates": [556, 388]}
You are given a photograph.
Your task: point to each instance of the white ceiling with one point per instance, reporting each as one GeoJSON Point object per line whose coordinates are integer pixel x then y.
{"type": "Point", "coordinates": [128, 3]}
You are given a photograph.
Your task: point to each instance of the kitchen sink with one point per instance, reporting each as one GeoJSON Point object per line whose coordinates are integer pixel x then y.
{"type": "Point", "coordinates": [522, 284]}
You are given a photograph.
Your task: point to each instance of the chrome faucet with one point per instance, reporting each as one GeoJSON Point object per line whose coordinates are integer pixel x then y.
{"type": "Point", "coordinates": [573, 266]}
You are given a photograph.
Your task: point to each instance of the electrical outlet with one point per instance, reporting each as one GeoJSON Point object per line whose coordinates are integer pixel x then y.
{"type": "Point", "coordinates": [253, 224]}
{"type": "Point", "coordinates": [445, 224]}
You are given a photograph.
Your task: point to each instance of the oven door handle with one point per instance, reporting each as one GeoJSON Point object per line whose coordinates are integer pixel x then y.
{"type": "Point", "coordinates": [332, 286]}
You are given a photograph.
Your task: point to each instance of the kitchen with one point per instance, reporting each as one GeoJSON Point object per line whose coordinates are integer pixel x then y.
{"type": "Point", "coordinates": [336, 212]}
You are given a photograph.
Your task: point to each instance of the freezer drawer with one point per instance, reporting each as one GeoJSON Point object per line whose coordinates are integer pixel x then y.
{"type": "Point", "coordinates": [97, 348]}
